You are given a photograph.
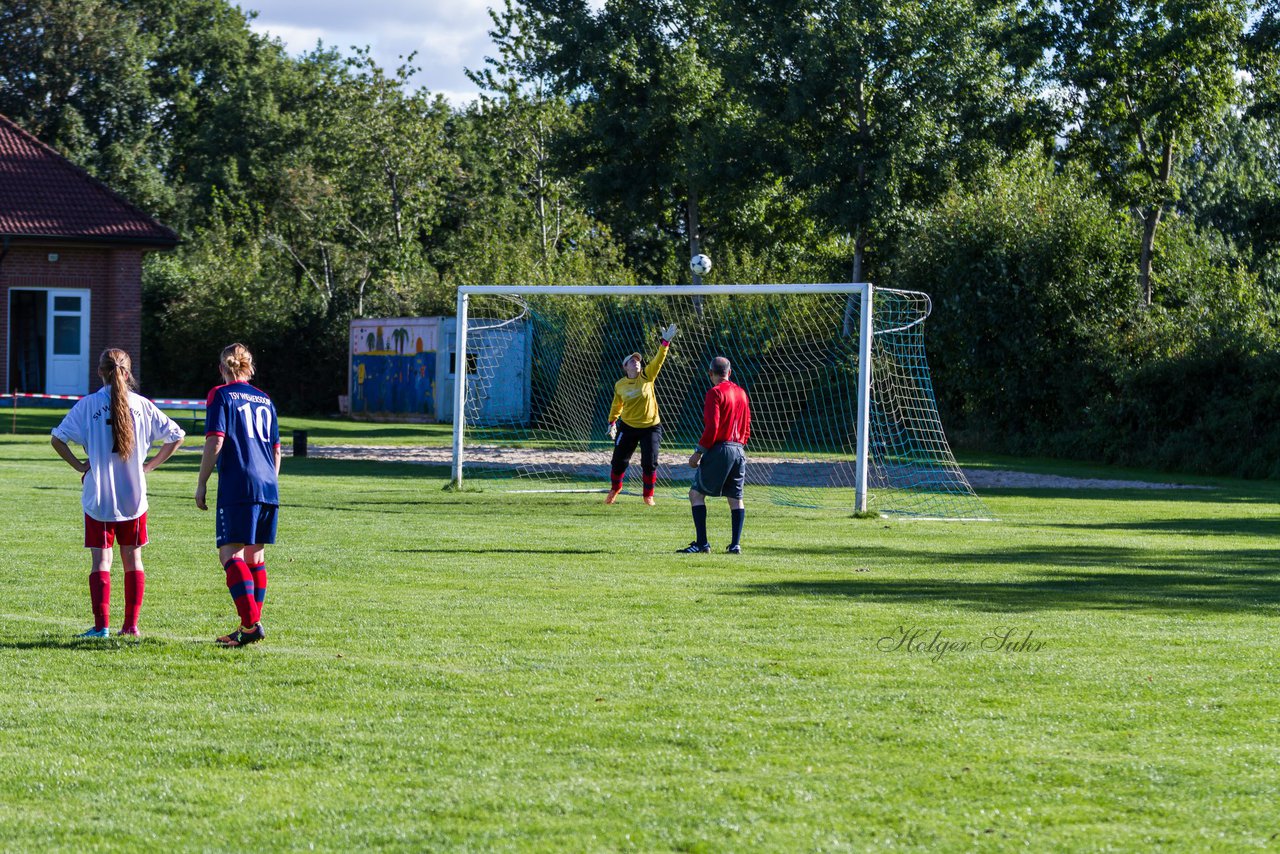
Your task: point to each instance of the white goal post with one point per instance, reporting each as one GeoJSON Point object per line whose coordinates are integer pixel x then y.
{"type": "Point", "coordinates": [534, 367]}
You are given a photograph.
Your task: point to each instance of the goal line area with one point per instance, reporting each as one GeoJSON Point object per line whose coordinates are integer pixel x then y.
{"type": "Point", "coordinates": [843, 413]}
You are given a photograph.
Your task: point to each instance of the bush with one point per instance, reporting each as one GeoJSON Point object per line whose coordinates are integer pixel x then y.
{"type": "Point", "coordinates": [1210, 412]}
{"type": "Point", "coordinates": [1032, 279]}
{"type": "Point", "coordinates": [222, 288]}
{"type": "Point", "coordinates": [1038, 344]}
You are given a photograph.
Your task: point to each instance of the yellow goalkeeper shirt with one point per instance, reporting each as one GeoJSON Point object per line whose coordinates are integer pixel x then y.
{"type": "Point", "coordinates": [634, 400]}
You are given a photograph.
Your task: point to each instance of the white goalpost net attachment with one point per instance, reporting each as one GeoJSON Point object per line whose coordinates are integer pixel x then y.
{"type": "Point", "coordinates": [843, 413]}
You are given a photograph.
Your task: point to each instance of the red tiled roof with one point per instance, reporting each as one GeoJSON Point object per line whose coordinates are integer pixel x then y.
{"type": "Point", "coordinates": [44, 195]}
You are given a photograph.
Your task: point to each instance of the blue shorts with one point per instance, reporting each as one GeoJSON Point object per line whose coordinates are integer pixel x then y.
{"type": "Point", "coordinates": [722, 471]}
{"type": "Point", "coordinates": [246, 524]}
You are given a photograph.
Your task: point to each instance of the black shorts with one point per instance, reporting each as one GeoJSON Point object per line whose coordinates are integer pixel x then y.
{"type": "Point", "coordinates": [648, 438]}
{"type": "Point", "coordinates": [722, 471]}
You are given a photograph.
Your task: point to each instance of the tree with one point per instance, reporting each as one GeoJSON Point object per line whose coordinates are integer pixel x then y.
{"type": "Point", "coordinates": [232, 107]}
{"type": "Point", "coordinates": [357, 211]}
{"type": "Point", "coordinates": [74, 74]}
{"type": "Point", "coordinates": [1144, 80]}
{"type": "Point", "coordinates": [874, 107]}
{"type": "Point", "coordinates": [512, 215]}
{"type": "Point", "coordinates": [520, 114]}
{"type": "Point", "coordinates": [1262, 61]}
{"type": "Point", "coordinates": [164, 100]}
{"type": "Point", "coordinates": [1030, 280]}
{"type": "Point", "coordinates": [655, 148]}
{"type": "Point", "coordinates": [1230, 184]}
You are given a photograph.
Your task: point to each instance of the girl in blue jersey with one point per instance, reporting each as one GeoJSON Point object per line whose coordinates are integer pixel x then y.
{"type": "Point", "coordinates": [242, 436]}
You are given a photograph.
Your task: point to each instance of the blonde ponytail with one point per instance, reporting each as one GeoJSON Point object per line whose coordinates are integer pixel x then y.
{"type": "Point", "coordinates": [116, 369]}
{"type": "Point", "coordinates": [236, 363]}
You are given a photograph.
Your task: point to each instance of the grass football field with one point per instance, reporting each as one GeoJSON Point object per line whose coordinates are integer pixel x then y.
{"type": "Point", "coordinates": [486, 671]}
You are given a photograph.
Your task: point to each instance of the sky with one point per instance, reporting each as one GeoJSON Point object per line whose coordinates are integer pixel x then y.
{"type": "Point", "coordinates": [449, 35]}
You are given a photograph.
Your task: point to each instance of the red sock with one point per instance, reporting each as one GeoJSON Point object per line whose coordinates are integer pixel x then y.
{"type": "Point", "coordinates": [240, 583]}
{"type": "Point", "coordinates": [100, 598]}
{"type": "Point", "coordinates": [650, 481]}
{"type": "Point", "coordinates": [259, 585]}
{"type": "Point", "coordinates": [615, 480]}
{"type": "Point", "coordinates": [134, 585]}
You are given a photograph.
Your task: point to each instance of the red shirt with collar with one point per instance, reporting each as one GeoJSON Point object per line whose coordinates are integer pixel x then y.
{"type": "Point", "coordinates": [726, 416]}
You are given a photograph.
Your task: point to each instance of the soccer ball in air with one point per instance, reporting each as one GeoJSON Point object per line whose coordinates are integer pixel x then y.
{"type": "Point", "coordinates": [700, 264]}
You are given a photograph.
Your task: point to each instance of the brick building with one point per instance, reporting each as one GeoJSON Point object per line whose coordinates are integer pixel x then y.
{"type": "Point", "coordinates": [71, 255]}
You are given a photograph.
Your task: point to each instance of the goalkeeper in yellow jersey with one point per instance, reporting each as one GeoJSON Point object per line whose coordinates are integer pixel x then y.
{"type": "Point", "coordinates": [634, 420]}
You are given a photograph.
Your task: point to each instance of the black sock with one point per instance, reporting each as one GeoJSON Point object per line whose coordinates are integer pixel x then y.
{"type": "Point", "coordinates": [737, 516]}
{"type": "Point", "coordinates": [700, 523]}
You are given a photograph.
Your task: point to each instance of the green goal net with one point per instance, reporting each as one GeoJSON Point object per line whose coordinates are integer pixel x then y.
{"type": "Point", "coordinates": [542, 366]}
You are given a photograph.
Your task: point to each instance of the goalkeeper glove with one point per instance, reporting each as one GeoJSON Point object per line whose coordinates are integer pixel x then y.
{"type": "Point", "coordinates": [669, 334]}
{"type": "Point", "coordinates": [613, 431]}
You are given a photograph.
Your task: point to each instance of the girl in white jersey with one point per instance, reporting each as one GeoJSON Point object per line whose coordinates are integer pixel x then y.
{"type": "Point", "coordinates": [116, 427]}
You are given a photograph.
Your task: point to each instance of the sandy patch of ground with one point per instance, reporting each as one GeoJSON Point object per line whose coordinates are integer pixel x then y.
{"type": "Point", "coordinates": [777, 471]}
{"type": "Point", "coordinates": [997, 479]}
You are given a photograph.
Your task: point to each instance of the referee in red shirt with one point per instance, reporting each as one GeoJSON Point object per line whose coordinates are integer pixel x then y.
{"type": "Point", "coordinates": [720, 462]}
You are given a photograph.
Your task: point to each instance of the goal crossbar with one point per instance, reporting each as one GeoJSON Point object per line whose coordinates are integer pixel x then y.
{"type": "Point", "coordinates": [663, 290]}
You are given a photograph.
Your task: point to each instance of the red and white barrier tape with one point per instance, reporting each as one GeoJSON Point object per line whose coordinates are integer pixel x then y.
{"type": "Point", "coordinates": [167, 401]}
{"type": "Point", "coordinates": [158, 401]}
{"type": "Point", "coordinates": [45, 396]}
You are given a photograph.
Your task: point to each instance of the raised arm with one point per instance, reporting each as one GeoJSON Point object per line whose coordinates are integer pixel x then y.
{"type": "Point", "coordinates": [651, 369]}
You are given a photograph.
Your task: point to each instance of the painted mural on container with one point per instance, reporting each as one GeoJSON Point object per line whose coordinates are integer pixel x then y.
{"type": "Point", "coordinates": [393, 366]}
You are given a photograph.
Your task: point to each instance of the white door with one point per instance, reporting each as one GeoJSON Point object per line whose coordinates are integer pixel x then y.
{"type": "Point", "coordinates": [68, 348]}
{"type": "Point", "coordinates": [445, 373]}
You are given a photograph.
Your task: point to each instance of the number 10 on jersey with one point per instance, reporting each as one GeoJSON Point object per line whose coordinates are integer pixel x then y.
{"type": "Point", "coordinates": [258, 417]}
